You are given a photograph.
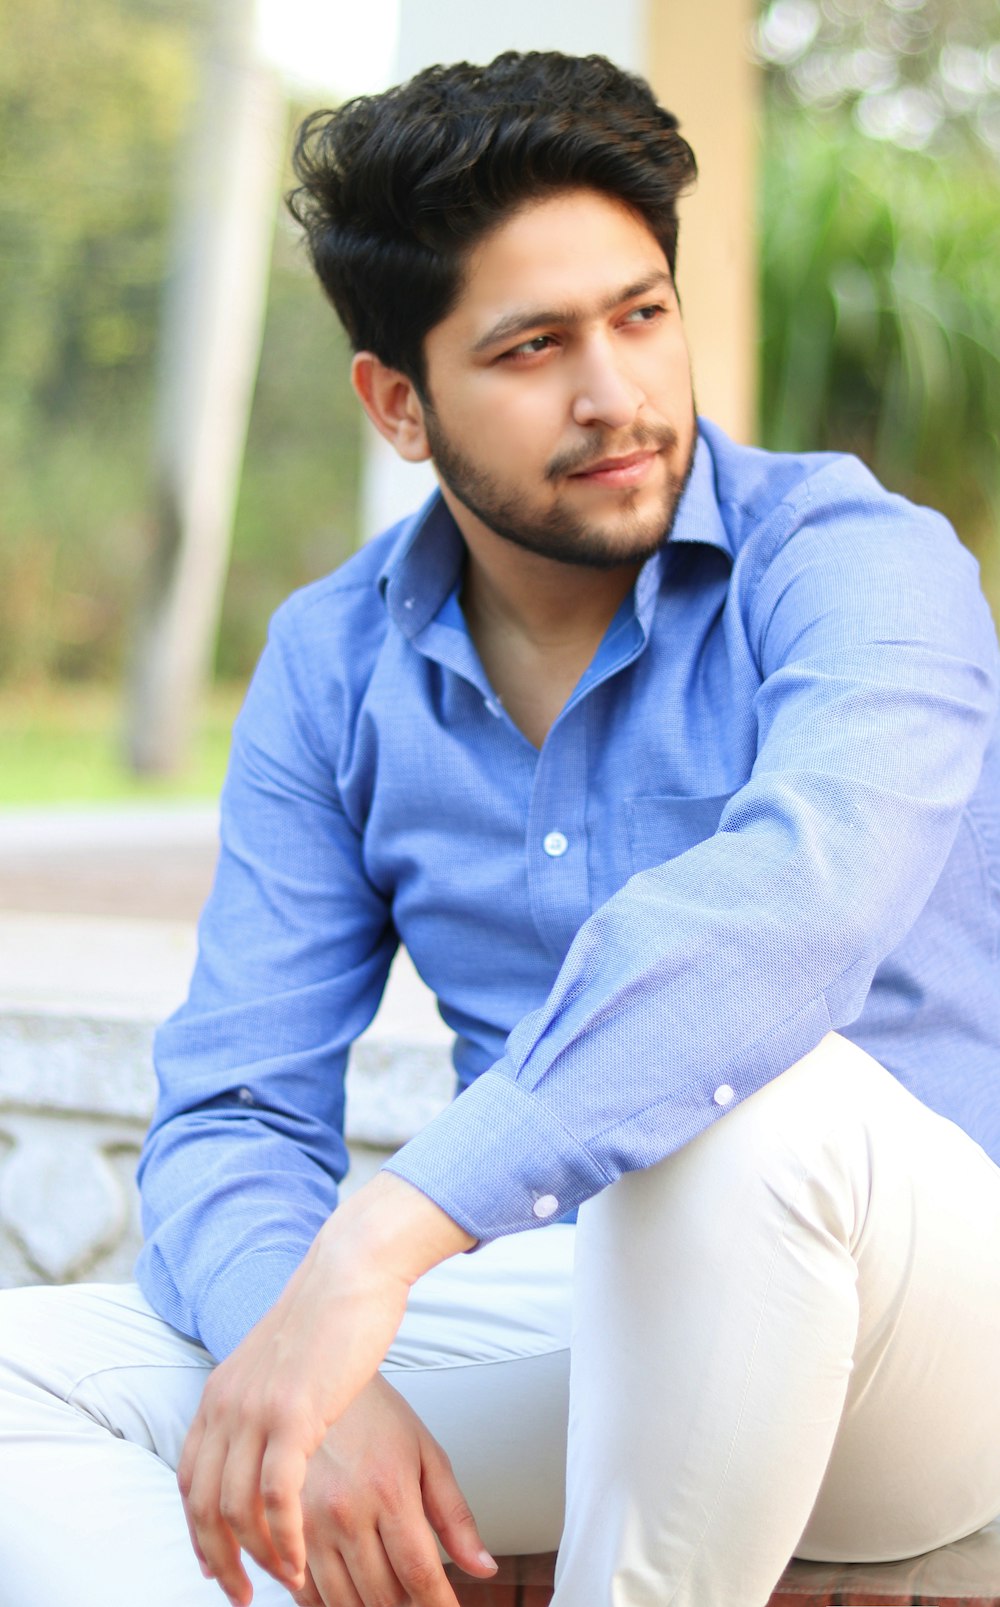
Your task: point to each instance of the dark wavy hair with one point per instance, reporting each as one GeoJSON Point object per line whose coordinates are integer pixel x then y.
{"type": "Point", "coordinates": [395, 189]}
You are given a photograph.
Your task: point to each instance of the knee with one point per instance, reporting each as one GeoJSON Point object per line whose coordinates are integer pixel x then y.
{"type": "Point", "coordinates": [801, 1145]}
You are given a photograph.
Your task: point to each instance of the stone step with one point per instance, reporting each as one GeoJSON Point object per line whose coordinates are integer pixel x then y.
{"type": "Point", "coordinates": [965, 1574]}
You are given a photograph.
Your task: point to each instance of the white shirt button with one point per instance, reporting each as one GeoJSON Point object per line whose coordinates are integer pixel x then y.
{"type": "Point", "coordinates": [724, 1095]}
{"type": "Point", "coordinates": [245, 1097]}
{"type": "Point", "coordinates": [555, 844]}
{"type": "Point", "coordinates": [546, 1205]}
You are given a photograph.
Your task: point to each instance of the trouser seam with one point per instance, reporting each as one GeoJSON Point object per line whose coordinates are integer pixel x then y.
{"type": "Point", "coordinates": [492, 1361]}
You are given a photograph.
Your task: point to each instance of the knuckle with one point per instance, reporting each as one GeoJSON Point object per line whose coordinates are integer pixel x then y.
{"type": "Point", "coordinates": [274, 1494]}
{"type": "Point", "coordinates": [201, 1511]}
{"type": "Point", "coordinates": [390, 1498]}
{"type": "Point", "coordinates": [234, 1513]}
{"type": "Point", "coordinates": [340, 1511]}
{"type": "Point", "coordinates": [460, 1512]}
{"type": "Point", "coordinates": [418, 1574]}
{"type": "Point", "coordinates": [390, 1597]}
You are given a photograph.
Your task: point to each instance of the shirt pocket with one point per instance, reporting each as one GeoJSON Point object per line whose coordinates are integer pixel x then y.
{"type": "Point", "coordinates": [661, 827]}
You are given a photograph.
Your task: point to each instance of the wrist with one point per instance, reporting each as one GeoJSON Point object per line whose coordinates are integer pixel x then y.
{"type": "Point", "coordinates": [391, 1226]}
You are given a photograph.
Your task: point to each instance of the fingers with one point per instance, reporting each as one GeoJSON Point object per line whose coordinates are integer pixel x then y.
{"type": "Point", "coordinates": [243, 1509]}
{"type": "Point", "coordinates": [413, 1559]}
{"type": "Point", "coordinates": [449, 1514]}
{"type": "Point", "coordinates": [357, 1579]}
{"type": "Point", "coordinates": [282, 1474]}
{"type": "Point", "coordinates": [338, 1590]}
{"type": "Point", "coordinates": [375, 1535]}
{"type": "Point", "coordinates": [215, 1546]}
{"type": "Point", "coordinates": [234, 1497]}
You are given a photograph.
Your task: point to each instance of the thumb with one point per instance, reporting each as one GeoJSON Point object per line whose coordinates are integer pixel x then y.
{"type": "Point", "coordinates": [449, 1515]}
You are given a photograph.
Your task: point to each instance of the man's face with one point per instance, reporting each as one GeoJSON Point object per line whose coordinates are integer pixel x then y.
{"type": "Point", "coordinates": [559, 412]}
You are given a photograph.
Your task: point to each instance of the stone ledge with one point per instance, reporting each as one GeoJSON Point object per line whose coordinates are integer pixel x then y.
{"type": "Point", "coordinates": [80, 1001]}
{"type": "Point", "coordinates": [89, 1066]}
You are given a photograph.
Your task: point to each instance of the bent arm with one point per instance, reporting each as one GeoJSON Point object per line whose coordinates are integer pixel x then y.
{"type": "Point", "coordinates": [241, 1165]}
{"type": "Point", "coordinates": [720, 968]}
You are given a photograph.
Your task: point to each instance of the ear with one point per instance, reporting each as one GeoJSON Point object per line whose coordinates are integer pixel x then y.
{"type": "Point", "coordinates": [392, 404]}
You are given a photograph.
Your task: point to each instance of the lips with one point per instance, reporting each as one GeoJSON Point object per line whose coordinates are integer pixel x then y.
{"type": "Point", "coordinates": [613, 465]}
{"type": "Point", "coordinates": [631, 469]}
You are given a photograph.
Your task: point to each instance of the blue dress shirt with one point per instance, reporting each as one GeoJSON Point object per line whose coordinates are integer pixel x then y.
{"type": "Point", "coordinates": [770, 807]}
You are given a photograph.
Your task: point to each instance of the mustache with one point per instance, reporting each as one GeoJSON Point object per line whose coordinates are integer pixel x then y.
{"type": "Point", "coordinates": [578, 459]}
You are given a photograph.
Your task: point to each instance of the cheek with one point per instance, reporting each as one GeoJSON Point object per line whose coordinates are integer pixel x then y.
{"type": "Point", "coordinates": [530, 419]}
{"type": "Point", "coordinates": [668, 374]}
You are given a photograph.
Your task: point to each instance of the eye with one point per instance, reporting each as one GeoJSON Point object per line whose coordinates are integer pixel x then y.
{"type": "Point", "coordinates": [528, 348]}
{"type": "Point", "coordinates": [647, 314]}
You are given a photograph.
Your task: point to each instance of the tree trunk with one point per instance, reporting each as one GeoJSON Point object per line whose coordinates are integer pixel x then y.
{"type": "Point", "coordinates": [211, 335]}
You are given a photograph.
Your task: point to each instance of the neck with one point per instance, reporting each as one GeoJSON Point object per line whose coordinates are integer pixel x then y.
{"type": "Point", "coordinates": [536, 623]}
{"type": "Point", "coordinates": [552, 605]}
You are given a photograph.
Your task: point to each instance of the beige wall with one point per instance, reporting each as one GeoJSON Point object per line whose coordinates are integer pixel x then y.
{"type": "Point", "coordinates": [699, 64]}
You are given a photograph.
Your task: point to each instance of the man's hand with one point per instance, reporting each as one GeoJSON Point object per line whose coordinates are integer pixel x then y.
{"type": "Point", "coordinates": [376, 1491]}
{"type": "Point", "coordinates": [267, 1407]}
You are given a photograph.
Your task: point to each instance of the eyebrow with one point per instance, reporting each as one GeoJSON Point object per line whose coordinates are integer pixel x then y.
{"type": "Point", "coordinates": [518, 322]}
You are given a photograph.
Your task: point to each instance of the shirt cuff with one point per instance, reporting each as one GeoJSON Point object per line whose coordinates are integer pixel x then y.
{"type": "Point", "coordinates": [497, 1161]}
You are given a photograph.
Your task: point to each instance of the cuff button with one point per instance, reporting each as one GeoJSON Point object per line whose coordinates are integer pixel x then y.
{"type": "Point", "coordinates": [545, 1206]}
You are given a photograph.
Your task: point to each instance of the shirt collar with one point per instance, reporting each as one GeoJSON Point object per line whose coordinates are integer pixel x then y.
{"type": "Point", "coordinates": [423, 566]}
{"type": "Point", "coordinates": [425, 561]}
{"type": "Point", "coordinates": [699, 522]}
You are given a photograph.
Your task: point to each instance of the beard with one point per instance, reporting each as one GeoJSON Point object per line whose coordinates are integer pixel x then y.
{"type": "Point", "coordinates": [559, 533]}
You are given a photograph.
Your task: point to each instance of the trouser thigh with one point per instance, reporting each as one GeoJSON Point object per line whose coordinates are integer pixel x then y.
{"type": "Point", "coordinates": [97, 1393]}
{"type": "Point", "coordinates": [916, 1459]}
{"type": "Point", "coordinates": [756, 1337]}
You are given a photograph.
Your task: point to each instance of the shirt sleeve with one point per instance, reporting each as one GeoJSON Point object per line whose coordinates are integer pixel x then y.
{"type": "Point", "coordinates": [712, 973]}
{"type": "Point", "coordinates": [241, 1165]}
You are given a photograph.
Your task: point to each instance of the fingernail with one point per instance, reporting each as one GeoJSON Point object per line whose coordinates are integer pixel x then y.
{"type": "Point", "coordinates": [488, 1561]}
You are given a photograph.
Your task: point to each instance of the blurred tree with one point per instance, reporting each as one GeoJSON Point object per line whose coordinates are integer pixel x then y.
{"type": "Point", "coordinates": [95, 101]}
{"type": "Point", "coordinates": [209, 350]}
{"type": "Point", "coordinates": [92, 100]}
{"type": "Point", "coordinates": [923, 74]}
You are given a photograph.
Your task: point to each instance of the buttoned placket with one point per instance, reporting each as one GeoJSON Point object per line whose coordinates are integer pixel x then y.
{"type": "Point", "coordinates": [556, 857]}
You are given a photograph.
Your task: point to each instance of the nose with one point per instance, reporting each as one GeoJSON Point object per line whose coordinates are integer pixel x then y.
{"type": "Point", "coordinates": [606, 393]}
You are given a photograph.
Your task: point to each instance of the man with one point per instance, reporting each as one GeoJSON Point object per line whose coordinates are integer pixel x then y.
{"type": "Point", "coordinates": [664, 757]}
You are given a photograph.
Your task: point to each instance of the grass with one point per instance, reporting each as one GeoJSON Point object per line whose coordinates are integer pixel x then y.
{"type": "Point", "coordinates": [63, 745]}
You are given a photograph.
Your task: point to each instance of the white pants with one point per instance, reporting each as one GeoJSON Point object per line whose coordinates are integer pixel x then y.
{"type": "Point", "coordinates": [784, 1338]}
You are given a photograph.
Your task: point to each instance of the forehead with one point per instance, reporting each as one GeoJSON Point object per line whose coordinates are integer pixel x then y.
{"type": "Point", "coordinates": [568, 252]}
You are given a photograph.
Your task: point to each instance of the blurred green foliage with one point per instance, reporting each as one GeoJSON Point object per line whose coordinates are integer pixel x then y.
{"type": "Point", "coordinates": [61, 743]}
{"type": "Point", "coordinates": [881, 312]}
{"type": "Point", "coordinates": [95, 102]}
{"type": "Point", "coordinates": [880, 296]}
